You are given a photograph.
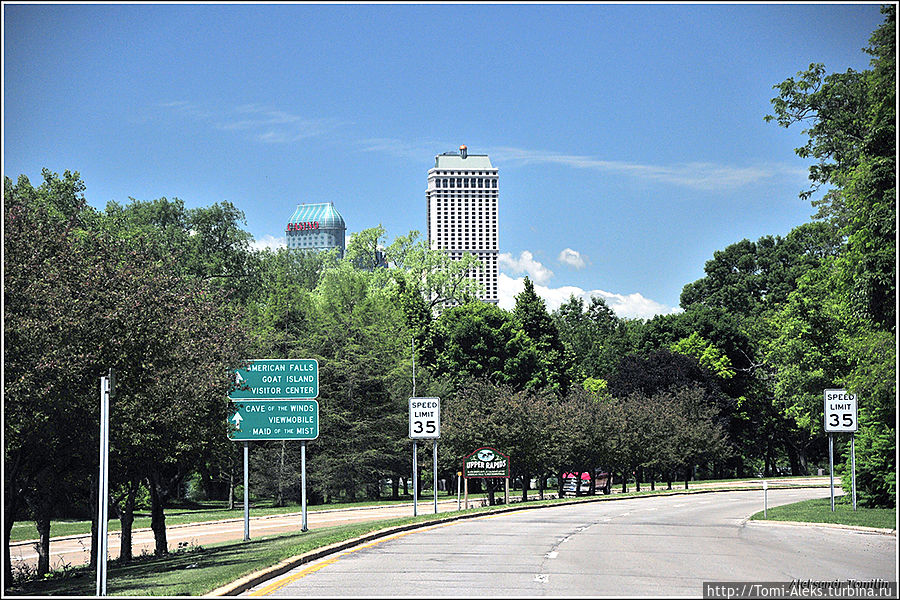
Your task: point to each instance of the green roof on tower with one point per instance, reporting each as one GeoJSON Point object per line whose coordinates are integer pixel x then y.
{"type": "Point", "coordinates": [323, 212]}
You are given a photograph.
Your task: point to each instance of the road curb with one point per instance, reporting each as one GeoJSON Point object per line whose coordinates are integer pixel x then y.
{"type": "Point", "coordinates": [860, 528]}
{"type": "Point", "coordinates": [248, 581]}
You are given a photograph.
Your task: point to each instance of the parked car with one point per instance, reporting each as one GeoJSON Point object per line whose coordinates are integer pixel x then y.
{"type": "Point", "coordinates": [602, 482]}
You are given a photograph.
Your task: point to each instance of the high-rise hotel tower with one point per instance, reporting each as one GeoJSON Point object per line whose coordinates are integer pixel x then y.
{"type": "Point", "coordinates": [462, 200]}
{"type": "Point", "coordinates": [316, 226]}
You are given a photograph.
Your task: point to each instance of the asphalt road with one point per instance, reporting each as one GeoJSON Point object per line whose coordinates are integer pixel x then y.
{"type": "Point", "coordinates": [641, 546]}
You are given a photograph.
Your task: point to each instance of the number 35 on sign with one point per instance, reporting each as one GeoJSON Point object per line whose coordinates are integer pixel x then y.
{"type": "Point", "coordinates": [424, 418]}
{"type": "Point", "coordinates": [840, 412]}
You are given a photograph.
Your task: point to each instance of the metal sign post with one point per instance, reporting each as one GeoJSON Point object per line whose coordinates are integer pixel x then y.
{"type": "Point", "coordinates": [831, 467]}
{"type": "Point", "coordinates": [434, 458]}
{"type": "Point", "coordinates": [246, 491]}
{"type": "Point", "coordinates": [107, 388]}
{"type": "Point", "coordinates": [415, 479]}
{"type": "Point", "coordinates": [303, 484]}
{"type": "Point", "coordinates": [106, 391]}
{"type": "Point", "coordinates": [424, 423]}
{"type": "Point", "coordinates": [841, 417]}
{"type": "Point", "coordinates": [853, 466]}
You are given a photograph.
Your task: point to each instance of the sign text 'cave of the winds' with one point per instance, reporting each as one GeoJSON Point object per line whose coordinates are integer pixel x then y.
{"type": "Point", "coordinates": [274, 420]}
{"type": "Point", "coordinates": [276, 379]}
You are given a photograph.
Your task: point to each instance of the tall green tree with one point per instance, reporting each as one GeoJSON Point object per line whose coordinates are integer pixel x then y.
{"type": "Point", "coordinates": [484, 341]}
{"type": "Point", "coordinates": [531, 314]}
{"type": "Point", "coordinates": [439, 277]}
{"type": "Point", "coordinates": [81, 298]}
{"type": "Point", "coordinates": [355, 340]}
{"type": "Point", "coordinates": [593, 335]}
{"type": "Point", "coordinates": [850, 121]}
{"type": "Point", "coordinates": [54, 347]}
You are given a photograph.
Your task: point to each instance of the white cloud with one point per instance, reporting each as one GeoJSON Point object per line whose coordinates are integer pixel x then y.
{"type": "Point", "coordinates": [696, 175]}
{"type": "Point", "coordinates": [525, 264]}
{"type": "Point", "coordinates": [268, 242]}
{"type": "Point", "coordinates": [263, 124]}
{"type": "Point", "coordinates": [631, 306]}
{"type": "Point", "coordinates": [572, 258]}
{"type": "Point", "coordinates": [407, 150]}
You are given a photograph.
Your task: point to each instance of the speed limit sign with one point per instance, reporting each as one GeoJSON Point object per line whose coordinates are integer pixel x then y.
{"type": "Point", "coordinates": [840, 412]}
{"type": "Point", "coordinates": [424, 418]}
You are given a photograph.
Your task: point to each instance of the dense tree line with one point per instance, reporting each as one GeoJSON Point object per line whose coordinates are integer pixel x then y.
{"type": "Point", "coordinates": [130, 289]}
{"type": "Point", "coordinates": [175, 298]}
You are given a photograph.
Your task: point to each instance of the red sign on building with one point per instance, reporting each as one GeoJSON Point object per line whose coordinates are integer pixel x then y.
{"type": "Point", "coordinates": [304, 226]}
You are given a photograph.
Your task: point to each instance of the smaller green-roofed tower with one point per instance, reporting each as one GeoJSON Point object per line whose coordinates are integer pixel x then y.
{"type": "Point", "coordinates": [317, 226]}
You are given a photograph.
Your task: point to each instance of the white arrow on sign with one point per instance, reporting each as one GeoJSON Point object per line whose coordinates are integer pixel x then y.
{"type": "Point", "coordinates": [237, 418]}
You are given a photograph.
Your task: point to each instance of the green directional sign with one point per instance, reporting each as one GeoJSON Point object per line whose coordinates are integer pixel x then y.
{"type": "Point", "coordinates": [272, 378]}
{"type": "Point", "coordinates": [274, 420]}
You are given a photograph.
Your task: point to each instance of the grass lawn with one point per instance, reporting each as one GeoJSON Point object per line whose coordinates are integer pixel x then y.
{"type": "Point", "coordinates": [818, 510]}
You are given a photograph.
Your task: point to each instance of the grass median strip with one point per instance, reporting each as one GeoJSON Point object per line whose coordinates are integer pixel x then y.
{"type": "Point", "coordinates": [818, 510]}
{"type": "Point", "coordinates": [196, 571]}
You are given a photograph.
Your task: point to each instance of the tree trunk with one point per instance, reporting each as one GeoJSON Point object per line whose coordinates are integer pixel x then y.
{"type": "Point", "coordinates": [797, 456]}
{"type": "Point", "coordinates": [279, 498]}
{"type": "Point", "coordinates": [43, 527]}
{"type": "Point", "coordinates": [126, 518]}
{"type": "Point", "coordinates": [687, 476]}
{"type": "Point", "coordinates": [10, 512]}
{"type": "Point", "coordinates": [624, 481]}
{"type": "Point", "coordinates": [9, 517]}
{"type": "Point", "coordinates": [526, 480]}
{"type": "Point", "coordinates": [95, 525]}
{"type": "Point", "coordinates": [157, 516]}
{"type": "Point", "coordinates": [41, 504]}
{"type": "Point", "coordinates": [395, 488]}
{"type": "Point", "coordinates": [231, 487]}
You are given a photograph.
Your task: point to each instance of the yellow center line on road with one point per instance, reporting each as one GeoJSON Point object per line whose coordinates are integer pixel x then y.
{"type": "Point", "coordinates": [277, 585]}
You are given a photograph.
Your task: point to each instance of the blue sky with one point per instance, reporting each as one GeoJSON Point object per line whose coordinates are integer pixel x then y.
{"type": "Point", "coordinates": [629, 138]}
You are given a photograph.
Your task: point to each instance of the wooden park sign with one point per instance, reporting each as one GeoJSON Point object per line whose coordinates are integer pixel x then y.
{"type": "Point", "coordinates": [487, 463]}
